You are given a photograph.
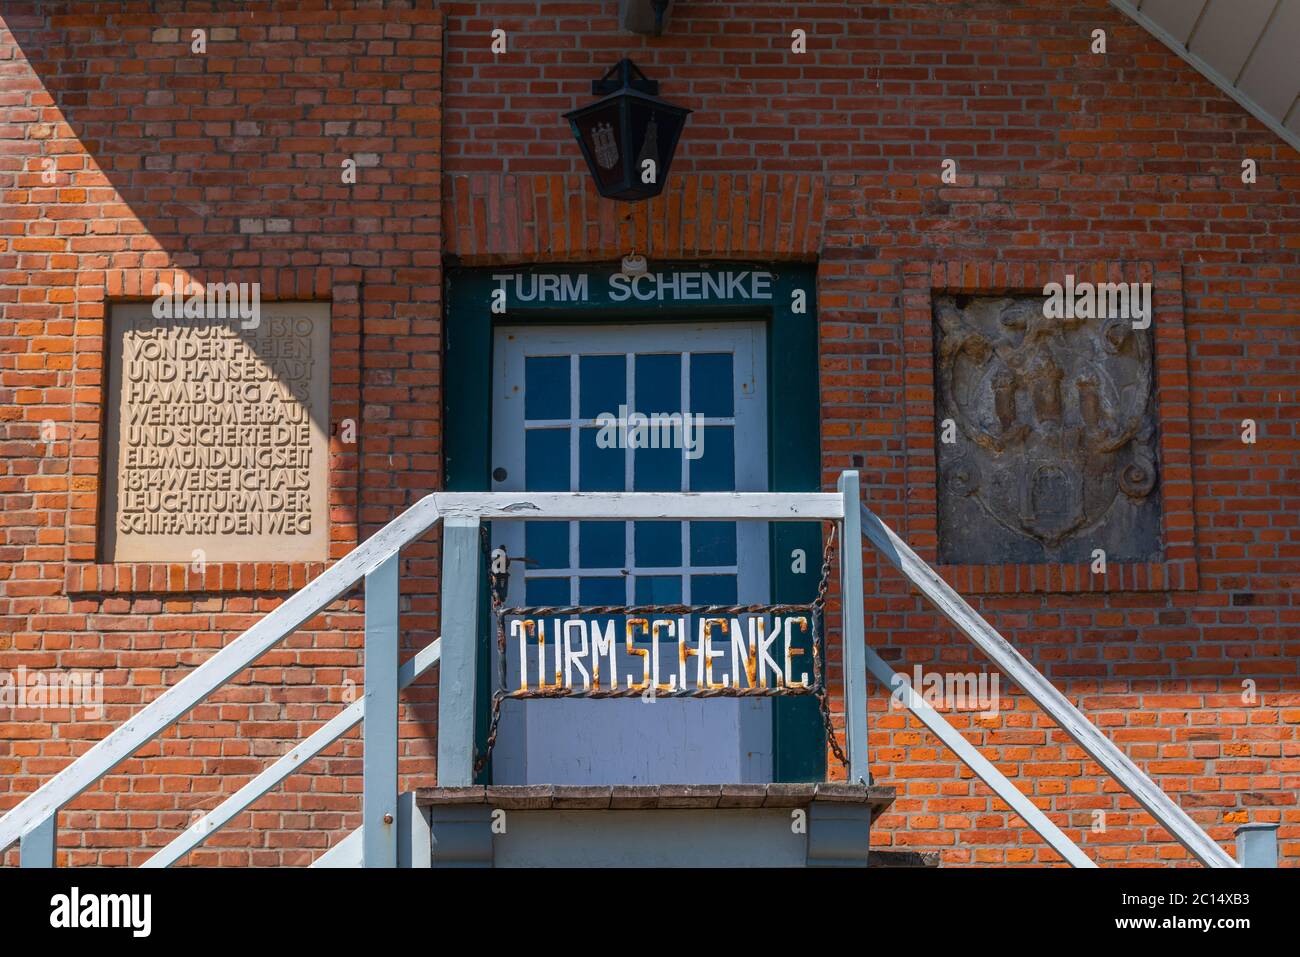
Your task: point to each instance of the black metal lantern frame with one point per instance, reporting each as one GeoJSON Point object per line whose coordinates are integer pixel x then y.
{"type": "Point", "coordinates": [628, 126]}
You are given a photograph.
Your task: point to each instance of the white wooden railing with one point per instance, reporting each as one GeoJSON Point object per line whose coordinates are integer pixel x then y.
{"type": "Point", "coordinates": [1044, 694]}
{"type": "Point", "coordinates": [33, 820]}
{"type": "Point", "coordinates": [379, 840]}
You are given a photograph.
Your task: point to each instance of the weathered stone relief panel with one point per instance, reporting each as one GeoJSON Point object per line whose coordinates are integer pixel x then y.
{"type": "Point", "coordinates": [1051, 435]}
{"type": "Point", "coordinates": [217, 438]}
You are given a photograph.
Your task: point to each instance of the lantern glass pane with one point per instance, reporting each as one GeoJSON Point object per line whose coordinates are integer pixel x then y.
{"type": "Point", "coordinates": [601, 134]}
{"type": "Point", "coordinates": [653, 131]}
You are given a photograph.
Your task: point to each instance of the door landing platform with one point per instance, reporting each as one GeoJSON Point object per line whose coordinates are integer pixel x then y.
{"type": "Point", "coordinates": [824, 824]}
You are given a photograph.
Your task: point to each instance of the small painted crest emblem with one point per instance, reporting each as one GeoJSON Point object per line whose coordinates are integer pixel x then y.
{"type": "Point", "coordinates": [604, 145]}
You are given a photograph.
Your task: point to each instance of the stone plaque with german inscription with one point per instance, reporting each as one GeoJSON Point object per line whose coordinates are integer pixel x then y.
{"type": "Point", "coordinates": [1045, 434]}
{"type": "Point", "coordinates": [217, 445]}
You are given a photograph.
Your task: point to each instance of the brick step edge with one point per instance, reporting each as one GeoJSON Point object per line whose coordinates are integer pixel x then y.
{"type": "Point", "coordinates": [662, 796]}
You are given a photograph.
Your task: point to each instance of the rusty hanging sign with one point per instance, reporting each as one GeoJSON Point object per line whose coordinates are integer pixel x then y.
{"type": "Point", "coordinates": [662, 651]}
{"type": "Point", "coordinates": [738, 650]}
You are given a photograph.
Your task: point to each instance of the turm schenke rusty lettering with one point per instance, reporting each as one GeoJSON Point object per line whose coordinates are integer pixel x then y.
{"type": "Point", "coordinates": [580, 645]}
{"type": "Point", "coordinates": [535, 288]}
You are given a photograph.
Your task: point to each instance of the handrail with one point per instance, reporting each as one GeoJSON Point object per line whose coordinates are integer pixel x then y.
{"type": "Point", "coordinates": [34, 816]}
{"type": "Point", "coordinates": [984, 769]}
{"type": "Point", "coordinates": [287, 764]}
{"type": "Point", "coordinates": [732, 506]}
{"type": "Point", "coordinates": [1014, 665]}
{"type": "Point", "coordinates": [38, 808]}
{"type": "Point", "coordinates": [167, 708]}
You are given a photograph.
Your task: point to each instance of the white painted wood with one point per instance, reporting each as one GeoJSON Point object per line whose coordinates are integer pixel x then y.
{"type": "Point", "coordinates": [1257, 845]}
{"type": "Point", "coordinates": [631, 741]}
{"type": "Point", "coordinates": [168, 707]}
{"type": "Point", "coordinates": [288, 764]}
{"type": "Point", "coordinates": [1099, 747]}
{"type": "Point", "coordinates": [299, 608]}
{"type": "Point", "coordinates": [1176, 16]}
{"type": "Point", "coordinates": [291, 762]}
{"type": "Point", "coordinates": [973, 759]}
{"type": "Point", "coordinates": [379, 732]}
{"type": "Point", "coordinates": [853, 631]}
{"type": "Point", "coordinates": [1271, 77]}
{"type": "Point", "coordinates": [1276, 90]}
{"type": "Point", "coordinates": [740, 506]}
{"type": "Point", "coordinates": [1227, 31]}
{"type": "Point", "coordinates": [414, 833]}
{"type": "Point", "coordinates": [639, 842]}
{"type": "Point", "coordinates": [39, 846]}
{"type": "Point", "coordinates": [346, 853]}
{"type": "Point", "coordinates": [461, 560]}
{"type": "Point", "coordinates": [509, 354]}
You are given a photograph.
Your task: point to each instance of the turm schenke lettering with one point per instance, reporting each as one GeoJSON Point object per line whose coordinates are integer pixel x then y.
{"type": "Point", "coordinates": [725, 286]}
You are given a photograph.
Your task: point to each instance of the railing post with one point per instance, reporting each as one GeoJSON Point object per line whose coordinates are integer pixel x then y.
{"type": "Point", "coordinates": [1257, 845]}
{"type": "Point", "coordinates": [414, 838]}
{"type": "Point", "coordinates": [456, 678]}
{"type": "Point", "coordinates": [37, 846]}
{"type": "Point", "coordinates": [379, 727]}
{"type": "Point", "coordinates": [853, 630]}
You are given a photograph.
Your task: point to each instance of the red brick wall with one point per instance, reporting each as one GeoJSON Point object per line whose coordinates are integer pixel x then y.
{"type": "Point", "coordinates": [226, 166]}
{"type": "Point", "coordinates": [1064, 157]}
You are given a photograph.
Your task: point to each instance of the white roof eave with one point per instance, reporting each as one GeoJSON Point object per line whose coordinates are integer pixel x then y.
{"type": "Point", "coordinates": [1155, 17]}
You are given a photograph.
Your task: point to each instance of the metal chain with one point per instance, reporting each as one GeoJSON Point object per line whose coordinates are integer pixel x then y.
{"type": "Point", "coordinates": [819, 604]}
{"type": "Point", "coordinates": [498, 587]}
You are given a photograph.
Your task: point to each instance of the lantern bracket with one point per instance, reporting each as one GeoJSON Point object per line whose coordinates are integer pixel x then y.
{"type": "Point", "coordinates": [661, 13]}
{"type": "Point", "coordinates": [624, 75]}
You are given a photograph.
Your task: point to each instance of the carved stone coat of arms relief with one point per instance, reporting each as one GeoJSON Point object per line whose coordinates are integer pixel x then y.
{"type": "Point", "coordinates": [1051, 449]}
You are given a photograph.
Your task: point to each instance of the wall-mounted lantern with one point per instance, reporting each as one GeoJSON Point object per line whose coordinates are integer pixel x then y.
{"type": "Point", "coordinates": [629, 136]}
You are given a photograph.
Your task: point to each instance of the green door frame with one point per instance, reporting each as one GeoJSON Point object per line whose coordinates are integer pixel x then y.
{"type": "Point", "coordinates": [794, 420]}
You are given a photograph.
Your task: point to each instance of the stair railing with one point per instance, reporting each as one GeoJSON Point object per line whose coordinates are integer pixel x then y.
{"type": "Point", "coordinates": [33, 821]}
{"type": "Point", "coordinates": [390, 833]}
{"type": "Point", "coordinates": [1043, 693]}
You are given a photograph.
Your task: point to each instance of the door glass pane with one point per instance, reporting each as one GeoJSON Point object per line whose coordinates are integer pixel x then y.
{"type": "Point", "coordinates": [657, 470]}
{"type": "Point", "coordinates": [713, 589]}
{"type": "Point", "coordinates": [712, 385]}
{"type": "Point", "coordinates": [715, 469]}
{"type": "Point", "coordinates": [600, 545]}
{"type": "Point", "coordinates": [713, 543]}
{"type": "Point", "coordinates": [658, 544]}
{"type": "Point", "coordinates": [707, 558]}
{"type": "Point", "coordinates": [658, 384]}
{"type": "Point", "coordinates": [546, 591]}
{"type": "Point", "coordinates": [546, 464]}
{"type": "Point", "coordinates": [658, 589]}
{"type": "Point", "coordinates": [546, 544]}
{"type": "Point", "coordinates": [546, 387]}
{"type": "Point", "coordinates": [602, 590]}
{"type": "Point", "coordinates": [602, 385]}
{"type": "Point", "coordinates": [599, 469]}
